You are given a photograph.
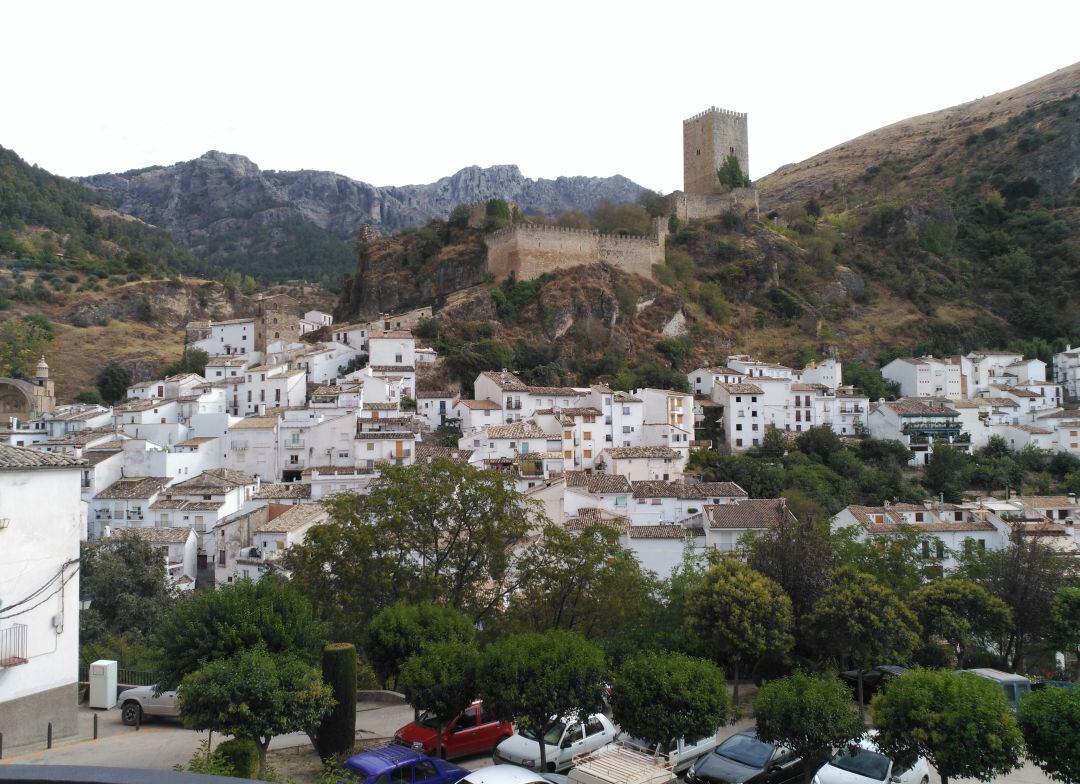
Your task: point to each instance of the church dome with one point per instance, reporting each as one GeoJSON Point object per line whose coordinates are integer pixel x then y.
{"type": "Point", "coordinates": [42, 368]}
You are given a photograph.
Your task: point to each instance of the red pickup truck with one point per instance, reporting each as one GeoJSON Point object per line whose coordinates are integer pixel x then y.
{"type": "Point", "coordinates": [467, 733]}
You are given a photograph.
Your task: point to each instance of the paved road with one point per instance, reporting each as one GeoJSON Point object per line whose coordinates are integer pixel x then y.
{"type": "Point", "coordinates": [161, 744]}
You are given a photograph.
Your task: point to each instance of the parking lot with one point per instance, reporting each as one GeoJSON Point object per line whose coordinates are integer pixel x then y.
{"type": "Point", "coordinates": [161, 744]}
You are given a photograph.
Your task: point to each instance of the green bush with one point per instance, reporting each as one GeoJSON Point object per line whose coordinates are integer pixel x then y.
{"type": "Point", "coordinates": [337, 733]}
{"type": "Point", "coordinates": [241, 755]}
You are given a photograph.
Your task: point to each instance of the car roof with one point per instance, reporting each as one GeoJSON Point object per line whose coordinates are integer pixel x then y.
{"type": "Point", "coordinates": [376, 761]}
{"type": "Point", "coordinates": [504, 774]}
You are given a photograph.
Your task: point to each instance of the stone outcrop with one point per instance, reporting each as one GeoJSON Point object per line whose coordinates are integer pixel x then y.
{"type": "Point", "coordinates": [218, 193]}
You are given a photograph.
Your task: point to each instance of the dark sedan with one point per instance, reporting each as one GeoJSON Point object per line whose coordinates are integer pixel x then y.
{"type": "Point", "coordinates": [743, 759]}
{"type": "Point", "coordinates": [872, 679]}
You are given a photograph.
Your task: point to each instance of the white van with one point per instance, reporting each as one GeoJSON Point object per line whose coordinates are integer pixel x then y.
{"type": "Point", "coordinates": [618, 764]}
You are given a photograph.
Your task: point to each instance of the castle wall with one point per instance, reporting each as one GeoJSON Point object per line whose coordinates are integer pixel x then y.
{"type": "Point", "coordinates": [708, 138]}
{"type": "Point", "coordinates": [527, 251]}
{"type": "Point", "coordinates": [693, 206]}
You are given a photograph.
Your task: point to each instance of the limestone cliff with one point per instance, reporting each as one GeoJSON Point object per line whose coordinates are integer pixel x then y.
{"type": "Point", "coordinates": [280, 225]}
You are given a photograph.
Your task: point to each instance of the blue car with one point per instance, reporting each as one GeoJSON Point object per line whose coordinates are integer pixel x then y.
{"type": "Point", "coordinates": [402, 765]}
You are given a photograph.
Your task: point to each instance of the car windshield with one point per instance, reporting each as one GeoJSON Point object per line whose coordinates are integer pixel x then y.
{"type": "Point", "coordinates": [552, 735]}
{"type": "Point", "coordinates": [863, 762]}
{"type": "Point", "coordinates": [431, 720]}
{"type": "Point", "coordinates": [746, 750]}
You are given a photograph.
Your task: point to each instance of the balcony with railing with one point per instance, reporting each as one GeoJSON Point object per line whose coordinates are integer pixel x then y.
{"type": "Point", "coordinates": [14, 644]}
{"type": "Point", "coordinates": [295, 443]}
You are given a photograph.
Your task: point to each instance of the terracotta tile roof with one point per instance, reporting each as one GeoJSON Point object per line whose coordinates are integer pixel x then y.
{"type": "Point", "coordinates": [388, 334]}
{"type": "Point", "coordinates": [134, 487]}
{"type": "Point", "coordinates": [329, 470]}
{"type": "Point", "coordinates": [392, 368]}
{"type": "Point", "coordinates": [95, 456]}
{"type": "Point", "coordinates": [78, 413]}
{"type": "Point", "coordinates": [752, 513]}
{"type": "Point", "coordinates": [671, 531]}
{"type": "Point", "coordinates": [20, 458]}
{"type": "Point", "coordinates": [380, 406]}
{"type": "Point", "coordinates": [386, 435]}
{"type": "Point", "coordinates": [598, 484]}
{"type": "Point", "coordinates": [489, 405]}
{"type": "Point", "coordinates": [687, 490]}
{"type": "Point", "coordinates": [141, 405]}
{"type": "Point", "coordinates": [294, 518]}
{"type": "Point", "coordinates": [427, 452]}
{"type": "Point", "coordinates": [1036, 431]}
{"type": "Point", "coordinates": [626, 397]}
{"type": "Point", "coordinates": [214, 479]}
{"type": "Point", "coordinates": [81, 437]}
{"type": "Point", "coordinates": [198, 441]}
{"type": "Point", "coordinates": [524, 429]}
{"type": "Point", "coordinates": [506, 380]}
{"type": "Point", "coordinates": [255, 423]}
{"type": "Point", "coordinates": [884, 520]}
{"type": "Point", "coordinates": [807, 387]}
{"type": "Point", "coordinates": [555, 391]}
{"type": "Point", "coordinates": [630, 452]}
{"type": "Point", "coordinates": [1019, 392]}
{"type": "Point", "coordinates": [424, 394]}
{"type": "Point", "coordinates": [590, 516]}
{"type": "Point", "coordinates": [720, 369]}
{"type": "Point", "coordinates": [912, 407]}
{"type": "Point", "coordinates": [156, 534]}
{"type": "Point", "coordinates": [282, 490]}
{"type": "Point", "coordinates": [741, 389]}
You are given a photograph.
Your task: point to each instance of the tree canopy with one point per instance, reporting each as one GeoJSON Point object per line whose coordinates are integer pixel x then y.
{"type": "Point", "coordinates": [959, 612]}
{"type": "Point", "coordinates": [441, 678]}
{"type": "Point", "coordinates": [960, 723]}
{"type": "Point", "coordinates": [234, 618]}
{"type": "Point", "coordinates": [530, 677]}
{"type": "Point", "coordinates": [255, 694]}
{"type": "Point", "coordinates": [1050, 721]}
{"type": "Point", "coordinates": [402, 630]}
{"type": "Point", "coordinates": [661, 697]}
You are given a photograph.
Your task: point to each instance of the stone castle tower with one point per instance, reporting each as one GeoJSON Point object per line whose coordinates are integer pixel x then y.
{"type": "Point", "coordinates": [708, 139]}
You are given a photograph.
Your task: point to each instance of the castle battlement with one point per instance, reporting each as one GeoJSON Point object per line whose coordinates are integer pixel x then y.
{"type": "Point", "coordinates": [527, 250]}
{"type": "Point", "coordinates": [715, 110]}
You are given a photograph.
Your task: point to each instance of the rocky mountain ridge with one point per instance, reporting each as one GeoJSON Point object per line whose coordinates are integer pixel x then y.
{"type": "Point", "coordinates": [277, 224]}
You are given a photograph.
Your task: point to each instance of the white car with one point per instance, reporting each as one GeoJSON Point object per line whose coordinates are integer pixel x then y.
{"type": "Point", "coordinates": [864, 763]}
{"type": "Point", "coordinates": [564, 739]}
{"type": "Point", "coordinates": [511, 774]}
{"type": "Point", "coordinates": [139, 702]}
{"type": "Point", "coordinates": [681, 753]}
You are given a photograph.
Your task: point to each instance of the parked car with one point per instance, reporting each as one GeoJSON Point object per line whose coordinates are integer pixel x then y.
{"type": "Point", "coordinates": [139, 702]}
{"type": "Point", "coordinates": [1015, 686]}
{"type": "Point", "coordinates": [564, 739]}
{"type": "Point", "coordinates": [681, 753]}
{"type": "Point", "coordinates": [1052, 684]}
{"type": "Point", "coordinates": [512, 774]}
{"type": "Point", "coordinates": [621, 764]}
{"type": "Point", "coordinates": [872, 679]}
{"type": "Point", "coordinates": [402, 765]}
{"type": "Point", "coordinates": [862, 763]}
{"type": "Point", "coordinates": [470, 732]}
{"type": "Point", "coordinates": [745, 759]}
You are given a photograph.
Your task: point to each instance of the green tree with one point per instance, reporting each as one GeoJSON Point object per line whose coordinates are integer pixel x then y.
{"type": "Point", "coordinates": [237, 617]}
{"type": "Point", "coordinates": [530, 677]}
{"type": "Point", "coordinates": [113, 381]}
{"type": "Point", "coordinates": [797, 556]}
{"type": "Point", "coordinates": [582, 581]}
{"type": "Point", "coordinates": [402, 630]}
{"type": "Point", "coordinates": [773, 443]}
{"type": "Point", "coordinates": [808, 715]}
{"type": "Point", "coordinates": [337, 731]}
{"type": "Point", "coordinates": [257, 695]}
{"type": "Point", "coordinates": [960, 723]}
{"type": "Point", "coordinates": [959, 612]}
{"type": "Point", "coordinates": [730, 175]}
{"type": "Point", "coordinates": [455, 520]}
{"type": "Point", "coordinates": [89, 397]}
{"type": "Point", "coordinates": [818, 443]}
{"type": "Point", "coordinates": [22, 343]}
{"type": "Point", "coordinates": [193, 360]}
{"type": "Point", "coordinates": [893, 558]}
{"type": "Point", "coordinates": [124, 580]}
{"type": "Point", "coordinates": [1050, 721]}
{"type": "Point", "coordinates": [661, 697]}
{"type": "Point", "coordinates": [1027, 576]}
{"type": "Point", "coordinates": [440, 679]}
{"type": "Point", "coordinates": [739, 615]}
{"type": "Point", "coordinates": [1065, 622]}
{"type": "Point", "coordinates": [860, 621]}
{"type": "Point", "coordinates": [947, 472]}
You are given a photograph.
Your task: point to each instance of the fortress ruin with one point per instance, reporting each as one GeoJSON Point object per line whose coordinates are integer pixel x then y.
{"type": "Point", "coordinates": [527, 251]}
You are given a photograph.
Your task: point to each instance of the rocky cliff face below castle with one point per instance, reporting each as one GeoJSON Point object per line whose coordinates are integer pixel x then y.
{"type": "Point", "coordinates": [274, 224]}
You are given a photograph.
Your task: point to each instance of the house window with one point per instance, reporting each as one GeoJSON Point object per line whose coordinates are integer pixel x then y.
{"type": "Point", "coordinates": [587, 453]}
{"type": "Point", "coordinates": [221, 557]}
{"type": "Point", "coordinates": [587, 435]}
{"type": "Point", "coordinates": [754, 427]}
{"type": "Point", "coordinates": [918, 517]}
{"type": "Point", "coordinates": [738, 399]}
{"type": "Point", "coordinates": [277, 395]}
{"type": "Point", "coordinates": [738, 442]}
{"type": "Point", "coordinates": [249, 395]}
{"type": "Point", "coordinates": [626, 410]}
{"type": "Point", "coordinates": [371, 447]}
{"type": "Point", "coordinates": [568, 454]}
{"type": "Point", "coordinates": [397, 359]}
{"type": "Point", "coordinates": [926, 549]}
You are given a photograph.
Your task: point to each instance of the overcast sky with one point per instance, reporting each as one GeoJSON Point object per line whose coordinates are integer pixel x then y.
{"type": "Point", "coordinates": [404, 92]}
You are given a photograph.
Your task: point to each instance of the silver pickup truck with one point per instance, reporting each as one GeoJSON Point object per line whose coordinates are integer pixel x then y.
{"type": "Point", "coordinates": [140, 702]}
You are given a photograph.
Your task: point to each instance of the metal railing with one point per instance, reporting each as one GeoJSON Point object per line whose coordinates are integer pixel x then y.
{"type": "Point", "coordinates": [125, 676]}
{"type": "Point", "coordinates": [13, 645]}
